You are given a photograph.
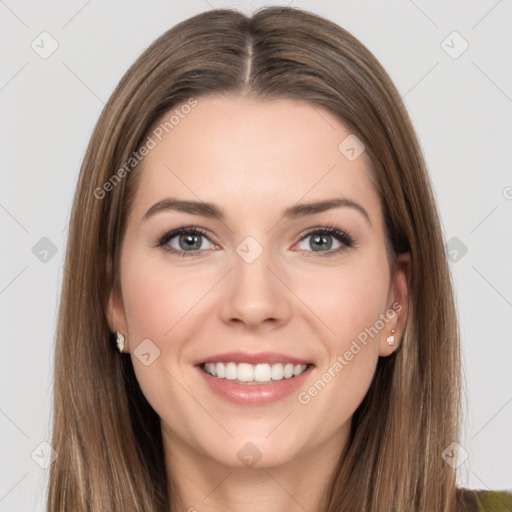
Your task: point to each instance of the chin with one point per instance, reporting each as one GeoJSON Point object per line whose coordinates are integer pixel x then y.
{"type": "Point", "coordinates": [255, 453]}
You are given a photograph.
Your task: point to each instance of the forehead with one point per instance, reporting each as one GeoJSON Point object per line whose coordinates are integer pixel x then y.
{"type": "Point", "coordinates": [250, 154]}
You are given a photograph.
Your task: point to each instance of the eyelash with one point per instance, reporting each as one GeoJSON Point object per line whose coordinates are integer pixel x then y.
{"type": "Point", "coordinates": [344, 237]}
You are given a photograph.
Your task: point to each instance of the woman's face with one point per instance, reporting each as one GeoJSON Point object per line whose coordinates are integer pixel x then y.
{"type": "Point", "coordinates": [262, 279]}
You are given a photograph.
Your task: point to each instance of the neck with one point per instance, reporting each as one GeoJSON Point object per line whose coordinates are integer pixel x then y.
{"type": "Point", "coordinates": [202, 483]}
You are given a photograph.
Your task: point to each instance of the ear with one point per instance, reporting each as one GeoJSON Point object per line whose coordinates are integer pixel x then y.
{"type": "Point", "coordinates": [397, 304]}
{"type": "Point", "coordinates": [116, 315]}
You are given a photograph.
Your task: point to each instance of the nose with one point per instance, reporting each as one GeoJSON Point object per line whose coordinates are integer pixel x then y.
{"type": "Point", "coordinates": [256, 294]}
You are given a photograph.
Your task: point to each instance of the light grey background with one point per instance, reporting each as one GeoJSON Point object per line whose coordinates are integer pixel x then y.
{"type": "Point", "coordinates": [461, 108]}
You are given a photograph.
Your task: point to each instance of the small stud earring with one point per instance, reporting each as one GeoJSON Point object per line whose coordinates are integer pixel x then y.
{"type": "Point", "coordinates": [391, 339]}
{"type": "Point", "coordinates": [120, 342]}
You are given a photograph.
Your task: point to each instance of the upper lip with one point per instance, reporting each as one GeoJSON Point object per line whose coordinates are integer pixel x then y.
{"type": "Point", "coordinates": [251, 358]}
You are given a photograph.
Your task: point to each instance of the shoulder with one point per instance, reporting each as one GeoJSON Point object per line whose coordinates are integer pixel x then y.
{"type": "Point", "coordinates": [494, 501]}
{"type": "Point", "coordinates": [474, 500]}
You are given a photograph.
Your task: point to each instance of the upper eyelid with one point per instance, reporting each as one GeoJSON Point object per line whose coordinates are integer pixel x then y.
{"type": "Point", "coordinates": [173, 233]}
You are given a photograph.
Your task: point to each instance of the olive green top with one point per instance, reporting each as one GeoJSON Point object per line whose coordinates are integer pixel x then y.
{"type": "Point", "coordinates": [494, 501]}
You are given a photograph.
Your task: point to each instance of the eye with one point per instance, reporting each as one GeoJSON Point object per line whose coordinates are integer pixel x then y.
{"type": "Point", "coordinates": [190, 241]}
{"type": "Point", "coordinates": [328, 240]}
{"type": "Point", "coordinates": [185, 241]}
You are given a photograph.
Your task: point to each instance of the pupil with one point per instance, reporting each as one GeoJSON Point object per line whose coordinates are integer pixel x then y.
{"type": "Point", "coordinates": [322, 241]}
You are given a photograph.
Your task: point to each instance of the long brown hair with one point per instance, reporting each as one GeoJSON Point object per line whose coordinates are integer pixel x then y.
{"type": "Point", "coordinates": [106, 434]}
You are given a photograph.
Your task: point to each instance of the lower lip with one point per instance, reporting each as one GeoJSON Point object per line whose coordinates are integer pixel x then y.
{"type": "Point", "coordinates": [254, 394]}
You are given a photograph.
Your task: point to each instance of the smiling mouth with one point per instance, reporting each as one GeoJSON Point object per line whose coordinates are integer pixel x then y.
{"type": "Point", "coordinates": [246, 373]}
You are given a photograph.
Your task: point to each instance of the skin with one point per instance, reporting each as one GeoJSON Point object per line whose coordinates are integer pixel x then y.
{"type": "Point", "coordinates": [254, 160]}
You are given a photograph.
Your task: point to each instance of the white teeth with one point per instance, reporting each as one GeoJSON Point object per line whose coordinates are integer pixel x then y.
{"type": "Point", "coordinates": [220, 369]}
{"type": "Point", "coordinates": [245, 372]}
{"type": "Point", "coordinates": [277, 371]}
{"type": "Point", "coordinates": [211, 368]}
{"type": "Point", "coordinates": [298, 369]}
{"type": "Point", "coordinates": [262, 373]}
{"type": "Point", "coordinates": [288, 371]}
{"type": "Point", "coordinates": [231, 371]}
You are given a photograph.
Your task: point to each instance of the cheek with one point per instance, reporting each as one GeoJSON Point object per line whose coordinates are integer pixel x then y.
{"type": "Point", "coordinates": [159, 302]}
{"type": "Point", "coordinates": [157, 296]}
{"type": "Point", "coordinates": [347, 299]}
{"type": "Point", "coordinates": [351, 301]}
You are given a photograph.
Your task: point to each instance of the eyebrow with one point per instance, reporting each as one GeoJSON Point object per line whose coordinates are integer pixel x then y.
{"type": "Point", "coordinates": [213, 211]}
